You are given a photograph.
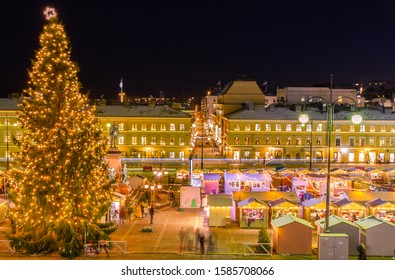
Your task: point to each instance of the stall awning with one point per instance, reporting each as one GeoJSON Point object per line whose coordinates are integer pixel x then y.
{"type": "Point", "coordinates": [252, 203]}
{"type": "Point", "coordinates": [288, 219]}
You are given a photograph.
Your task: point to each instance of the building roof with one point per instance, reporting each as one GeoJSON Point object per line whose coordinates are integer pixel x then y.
{"type": "Point", "coordinates": [283, 113]}
{"type": "Point", "coordinates": [211, 176]}
{"type": "Point", "coordinates": [242, 87]}
{"type": "Point", "coordinates": [253, 203]}
{"type": "Point", "coordinates": [7, 104]}
{"type": "Point", "coordinates": [140, 111]}
{"type": "Point", "coordinates": [289, 219]}
{"type": "Point", "coordinates": [334, 220]}
{"type": "Point", "coordinates": [219, 200]}
{"type": "Point", "coordinates": [370, 222]}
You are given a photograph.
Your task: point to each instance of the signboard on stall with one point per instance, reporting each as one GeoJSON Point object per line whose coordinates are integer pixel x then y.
{"type": "Point", "coordinates": [190, 197]}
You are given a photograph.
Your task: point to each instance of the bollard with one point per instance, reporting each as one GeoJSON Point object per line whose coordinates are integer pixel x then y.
{"type": "Point", "coordinates": [180, 248]}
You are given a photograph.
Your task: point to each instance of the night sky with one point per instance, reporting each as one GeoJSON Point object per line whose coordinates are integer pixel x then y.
{"type": "Point", "coordinates": [186, 47]}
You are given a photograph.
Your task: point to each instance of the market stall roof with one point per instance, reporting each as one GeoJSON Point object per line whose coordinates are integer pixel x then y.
{"type": "Point", "coordinates": [364, 196]}
{"type": "Point", "coordinates": [389, 169]}
{"type": "Point", "coordinates": [211, 177]}
{"type": "Point", "coordinates": [345, 203]}
{"type": "Point", "coordinates": [375, 202]}
{"type": "Point", "coordinates": [253, 203]}
{"type": "Point", "coordinates": [373, 170]}
{"type": "Point", "coordinates": [241, 176]}
{"type": "Point", "coordinates": [334, 220]}
{"type": "Point", "coordinates": [288, 219]}
{"type": "Point", "coordinates": [266, 196]}
{"type": "Point", "coordinates": [356, 169]}
{"type": "Point", "coordinates": [371, 221]}
{"type": "Point", "coordinates": [219, 200]}
{"type": "Point", "coordinates": [282, 202]}
{"type": "Point", "coordinates": [338, 171]}
{"type": "Point", "coordinates": [299, 181]}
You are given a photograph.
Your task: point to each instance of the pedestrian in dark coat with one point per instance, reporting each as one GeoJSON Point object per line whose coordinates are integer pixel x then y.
{"type": "Point", "coordinates": [152, 213]}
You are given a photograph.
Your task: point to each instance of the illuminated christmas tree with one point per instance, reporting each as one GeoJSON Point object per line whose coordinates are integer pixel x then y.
{"type": "Point", "coordinates": [59, 182]}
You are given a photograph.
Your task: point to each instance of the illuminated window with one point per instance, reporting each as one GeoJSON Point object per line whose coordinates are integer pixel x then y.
{"type": "Point", "coordinates": [352, 128]}
{"type": "Point", "coordinates": [298, 141]}
{"type": "Point", "coordinates": [162, 141]}
{"type": "Point", "coordinates": [337, 127]}
{"type": "Point", "coordinates": [372, 142]}
{"type": "Point", "coordinates": [288, 140]}
{"type": "Point", "coordinates": [7, 136]}
{"type": "Point", "coordinates": [153, 140]}
{"type": "Point", "coordinates": [258, 127]}
{"type": "Point", "coordinates": [172, 127]}
{"type": "Point", "coordinates": [288, 127]}
{"type": "Point", "coordinates": [382, 142]}
{"type": "Point", "coordinates": [120, 126]}
{"type": "Point", "coordinates": [153, 126]}
{"type": "Point", "coordinates": [298, 127]}
{"type": "Point", "coordinates": [309, 127]}
{"type": "Point", "coordinates": [352, 141]}
{"type": "Point", "coordinates": [268, 127]}
{"type": "Point", "coordinates": [143, 127]}
{"type": "Point", "coordinates": [319, 141]}
{"type": "Point", "coordinates": [278, 127]}
{"type": "Point", "coordinates": [172, 154]}
{"type": "Point", "coordinates": [319, 127]}
{"type": "Point", "coordinates": [308, 141]}
{"type": "Point", "coordinates": [372, 128]}
{"type": "Point", "coordinates": [236, 141]}
{"type": "Point", "coordinates": [182, 141]}
{"type": "Point", "coordinates": [134, 140]}
{"type": "Point", "coordinates": [278, 142]}
{"type": "Point", "coordinates": [134, 126]}
{"type": "Point", "coordinates": [362, 128]}
{"type": "Point", "coordinates": [257, 140]}
{"type": "Point", "coordinates": [237, 127]}
{"type": "Point", "coordinates": [247, 141]}
{"type": "Point", "coordinates": [268, 140]}
{"type": "Point", "coordinates": [143, 140]}
{"type": "Point", "coordinates": [362, 142]}
{"type": "Point", "coordinates": [182, 127]}
{"type": "Point", "coordinates": [172, 140]}
{"type": "Point", "coordinates": [162, 127]}
{"type": "Point", "coordinates": [382, 128]}
{"type": "Point", "coordinates": [120, 140]}
{"type": "Point", "coordinates": [392, 142]}
{"type": "Point", "coordinates": [247, 127]}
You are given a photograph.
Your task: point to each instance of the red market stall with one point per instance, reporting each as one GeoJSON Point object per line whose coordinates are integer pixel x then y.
{"type": "Point", "coordinates": [253, 213]}
{"type": "Point", "coordinates": [349, 210]}
{"type": "Point", "coordinates": [382, 209]}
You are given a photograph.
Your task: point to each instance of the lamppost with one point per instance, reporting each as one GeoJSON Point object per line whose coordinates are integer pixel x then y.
{"type": "Point", "coordinates": [304, 118]}
{"type": "Point", "coordinates": [152, 187]}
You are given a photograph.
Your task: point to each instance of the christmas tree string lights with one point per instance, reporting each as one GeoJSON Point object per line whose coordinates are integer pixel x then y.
{"type": "Point", "coordinates": [59, 182]}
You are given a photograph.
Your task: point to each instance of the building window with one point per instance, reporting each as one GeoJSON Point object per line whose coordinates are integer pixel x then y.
{"type": "Point", "coordinates": [172, 154]}
{"type": "Point", "coordinates": [319, 141]}
{"type": "Point", "coordinates": [237, 127]}
{"type": "Point", "coordinates": [382, 129]}
{"type": "Point", "coordinates": [308, 141]}
{"type": "Point", "coordinates": [143, 126]}
{"type": "Point", "coordinates": [162, 127]}
{"type": "Point", "coordinates": [257, 140]}
{"type": "Point", "coordinates": [319, 127]}
{"type": "Point", "coordinates": [288, 140]}
{"type": "Point", "coordinates": [236, 141]}
{"type": "Point", "coordinates": [134, 126]}
{"type": "Point", "coordinates": [134, 140]}
{"type": "Point", "coordinates": [143, 140]}
{"type": "Point", "coordinates": [182, 141]}
{"type": "Point", "coordinates": [337, 127]}
{"type": "Point", "coordinates": [392, 128]}
{"type": "Point", "coordinates": [7, 136]}
{"type": "Point", "coordinates": [278, 142]}
{"type": "Point", "coordinates": [268, 140]}
{"type": "Point", "coordinates": [268, 127]}
{"type": "Point", "coordinates": [352, 128]}
{"type": "Point", "coordinates": [372, 142]}
{"type": "Point", "coordinates": [162, 141]}
{"type": "Point", "coordinates": [337, 142]}
{"type": "Point", "coordinates": [120, 126]}
{"type": "Point", "coordinates": [382, 142]}
{"type": "Point", "coordinates": [298, 127]}
{"type": "Point", "coordinates": [247, 141]}
{"type": "Point", "coordinates": [153, 126]}
{"type": "Point", "coordinates": [172, 127]}
{"type": "Point", "coordinates": [257, 127]}
{"type": "Point", "coordinates": [247, 127]}
{"type": "Point", "coordinates": [352, 141]}
{"type": "Point", "coordinates": [288, 127]}
{"type": "Point", "coordinates": [362, 128]}
{"type": "Point", "coordinates": [278, 127]}
{"type": "Point", "coordinates": [182, 127]}
{"type": "Point", "coordinates": [182, 154]}
{"type": "Point", "coordinates": [172, 140]}
{"type": "Point", "coordinates": [351, 157]}
{"type": "Point", "coordinates": [372, 128]}
{"type": "Point", "coordinates": [120, 140]}
{"type": "Point", "coordinates": [362, 142]}
{"type": "Point", "coordinates": [298, 141]}
{"type": "Point", "coordinates": [392, 142]}
{"type": "Point", "coordinates": [309, 127]}
{"type": "Point", "coordinates": [153, 140]}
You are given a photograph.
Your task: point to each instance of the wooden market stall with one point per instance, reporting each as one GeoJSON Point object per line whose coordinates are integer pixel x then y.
{"type": "Point", "coordinates": [248, 182]}
{"type": "Point", "coordinates": [340, 225]}
{"type": "Point", "coordinates": [382, 209]}
{"type": "Point", "coordinates": [218, 209]}
{"type": "Point", "coordinates": [292, 235]}
{"type": "Point", "coordinates": [315, 209]}
{"type": "Point", "coordinates": [350, 210]}
{"type": "Point", "coordinates": [211, 183]}
{"type": "Point", "coordinates": [281, 207]}
{"type": "Point", "coordinates": [377, 235]}
{"type": "Point", "coordinates": [252, 213]}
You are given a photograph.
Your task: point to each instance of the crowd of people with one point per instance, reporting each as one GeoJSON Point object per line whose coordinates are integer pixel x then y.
{"type": "Point", "coordinates": [197, 239]}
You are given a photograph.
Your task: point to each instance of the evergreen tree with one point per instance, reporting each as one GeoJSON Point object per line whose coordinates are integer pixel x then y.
{"type": "Point", "coordinates": [59, 183]}
{"type": "Point", "coordinates": [263, 237]}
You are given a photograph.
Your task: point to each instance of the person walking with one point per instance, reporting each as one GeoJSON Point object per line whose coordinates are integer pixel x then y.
{"type": "Point", "coordinates": [152, 213]}
{"type": "Point", "coordinates": [201, 241]}
{"type": "Point", "coordinates": [142, 210]}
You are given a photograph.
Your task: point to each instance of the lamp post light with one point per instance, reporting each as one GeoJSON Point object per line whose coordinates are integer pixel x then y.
{"type": "Point", "coordinates": [304, 118]}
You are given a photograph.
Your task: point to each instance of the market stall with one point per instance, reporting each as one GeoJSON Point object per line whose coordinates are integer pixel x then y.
{"type": "Point", "coordinates": [281, 207]}
{"type": "Point", "coordinates": [211, 183]}
{"type": "Point", "coordinates": [340, 225]}
{"type": "Point", "coordinates": [382, 209]}
{"type": "Point", "coordinates": [190, 197]}
{"type": "Point", "coordinates": [315, 209]}
{"type": "Point", "coordinates": [218, 209]}
{"type": "Point", "coordinates": [252, 213]}
{"type": "Point", "coordinates": [350, 210]}
{"type": "Point", "coordinates": [377, 235]}
{"type": "Point", "coordinates": [258, 182]}
{"type": "Point", "coordinates": [284, 239]}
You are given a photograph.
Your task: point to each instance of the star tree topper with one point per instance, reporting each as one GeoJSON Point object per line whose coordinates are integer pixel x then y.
{"type": "Point", "coordinates": [49, 13]}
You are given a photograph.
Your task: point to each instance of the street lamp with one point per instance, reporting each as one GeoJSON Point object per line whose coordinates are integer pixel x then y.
{"type": "Point", "coordinates": [304, 118]}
